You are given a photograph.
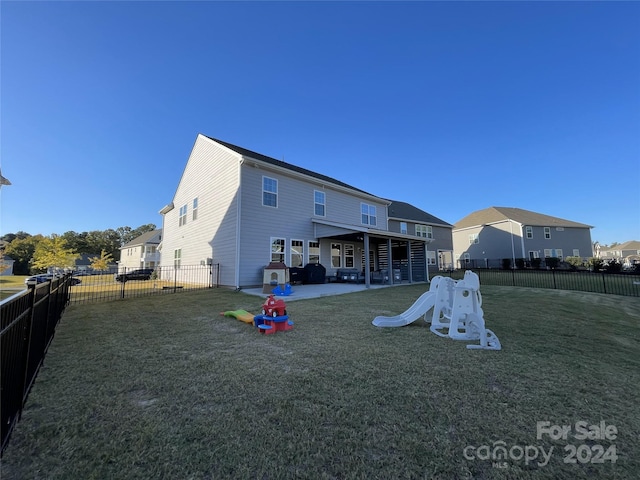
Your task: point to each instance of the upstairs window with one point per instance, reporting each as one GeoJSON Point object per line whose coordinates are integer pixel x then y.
{"type": "Point", "coordinates": [529, 232]}
{"type": "Point", "coordinates": [269, 192]}
{"type": "Point", "coordinates": [547, 232]}
{"type": "Point", "coordinates": [195, 208]}
{"type": "Point", "coordinates": [403, 227]}
{"type": "Point", "coordinates": [183, 216]}
{"type": "Point", "coordinates": [368, 214]}
{"type": "Point", "coordinates": [425, 231]}
{"type": "Point", "coordinates": [319, 204]}
{"type": "Point", "coordinates": [474, 239]}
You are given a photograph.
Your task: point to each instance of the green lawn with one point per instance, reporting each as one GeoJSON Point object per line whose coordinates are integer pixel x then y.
{"type": "Point", "coordinates": [164, 387]}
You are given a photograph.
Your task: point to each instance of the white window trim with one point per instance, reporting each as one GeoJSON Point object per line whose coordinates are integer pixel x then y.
{"type": "Point", "coordinates": [309, 247]}
{"type": "Point", "coordinates": [275, 180]}
{"type": "Point", "coordinates": [324, 204]}
{"type": "Point", "coordinates": [284, 249]}
{"type": "Point", "coordinates": [369, 207]}
{"type": "Point", "coordinates": [528, 231]}
{"type": "Point", "coordinates": [291, 254]}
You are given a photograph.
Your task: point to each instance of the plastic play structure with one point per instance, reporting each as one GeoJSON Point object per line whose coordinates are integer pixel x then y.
{"type": "Point", "coordinates": [273, 319]}
{"type": "Point", "coordinates": [457, 312]}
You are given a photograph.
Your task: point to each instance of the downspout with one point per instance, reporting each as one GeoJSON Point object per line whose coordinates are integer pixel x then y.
{"type": "Point", "coordinates": [522, 239]}
{"type": "Point", "coordinates": [513, 248]}
{"type": "Point", "coordinates": [367, 263]}
{"type": "Point", "coordinates": [238, 212]}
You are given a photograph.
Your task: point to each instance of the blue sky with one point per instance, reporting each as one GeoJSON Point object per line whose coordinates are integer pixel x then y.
{"type": "Point", "coordinates": [450, 106]}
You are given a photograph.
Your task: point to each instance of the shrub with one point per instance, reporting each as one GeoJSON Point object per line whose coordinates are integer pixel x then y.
{"type": "Point", "coordinates": [552, 262]}
{"type": "Point", "coordinates": [520, 263]}
{"type": "Point", "coordinates": [506, 263]}
{"type": "Point", "coordinates": [575, 261]}
{"type": "Point", "coordinates": [596, 264]}
{"type": "Point", "coordinates": [614, 266]}
{"type": "Point", "coordinates": [536, 262]}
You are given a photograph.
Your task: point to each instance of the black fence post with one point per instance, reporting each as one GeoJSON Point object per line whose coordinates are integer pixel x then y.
{"type": "Point", "coordinates": [553, 274]}
{"type": "Point", "coordinates": [604, 283]}
{"type": "Point", "coordinates": [123, 281]}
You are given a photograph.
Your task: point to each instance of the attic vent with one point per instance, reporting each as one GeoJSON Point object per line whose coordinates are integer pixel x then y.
{"type": "Point", "coordinates": [559, 229]}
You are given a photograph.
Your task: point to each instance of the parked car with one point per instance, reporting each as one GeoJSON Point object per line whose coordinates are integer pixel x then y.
{"type": "Point", "coordinates": [35, 279]}
{"type": "Point", "coordinates": [139, 274]}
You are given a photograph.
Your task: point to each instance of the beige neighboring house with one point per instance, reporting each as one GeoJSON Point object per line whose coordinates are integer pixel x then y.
{"type": "Point", "coordinates": [627, 253]}
{"type": "Point", "coordinates": [141, 252]}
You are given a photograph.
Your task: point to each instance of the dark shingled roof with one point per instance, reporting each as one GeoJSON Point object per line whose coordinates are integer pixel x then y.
{"type": "Point", "coordinates": [405, 211]}
{"type": "Point", "coordinates": [142, 239]}
{"type": "Point", "coordinates": [279, 163]}
{"type": "Point", "coordinates": [525, 217]}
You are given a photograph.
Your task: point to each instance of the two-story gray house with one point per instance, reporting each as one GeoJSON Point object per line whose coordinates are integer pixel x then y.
{"type": "Point", "coordinates": [406, 219]}
{"type": "Point", "coordinates": [504, 232]}
{"type": "Point", "coordinates": [243, 210]}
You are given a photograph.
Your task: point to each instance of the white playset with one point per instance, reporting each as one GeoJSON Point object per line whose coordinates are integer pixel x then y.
{"type": "Point", "coordinates": [457, 312]}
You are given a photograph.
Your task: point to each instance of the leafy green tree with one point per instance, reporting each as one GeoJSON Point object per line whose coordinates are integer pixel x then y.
{"type": "Point", "coordinates": [102, 262]}
{"type": "Point", "coordinates": [127, 234]}
{"type": "Point", "coordinates": [53, 252]}
{"type": "Point", "coordinates": [22, 250]}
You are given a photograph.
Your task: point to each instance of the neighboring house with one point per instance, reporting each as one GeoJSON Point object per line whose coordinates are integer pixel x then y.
{"type": "Point", "coordinates": [83, 264]}
{"type": "Point", "coordinates": [6, 265]}
{"type": "Point", "coordinates": [513, 233]}
{"type": "Point", "coordinates": [407, 219]}
{"type": "Point", "coordinates": [243, 210]}
{"type": "Point", "coordinates": [141, 252]}
{"type": "Point", "coordinates": [628, 253]}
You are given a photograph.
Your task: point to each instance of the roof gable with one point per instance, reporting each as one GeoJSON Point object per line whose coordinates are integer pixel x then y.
{"type": "Point", "coordinates": [146, 237]}
{"type": "Point", "coordinates": [524, 217]}
{"type": "Point", "coordinates": [406, 211]}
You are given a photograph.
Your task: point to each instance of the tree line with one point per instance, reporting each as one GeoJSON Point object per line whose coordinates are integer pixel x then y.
{"type": "Point", "coordinates": [35, 253]}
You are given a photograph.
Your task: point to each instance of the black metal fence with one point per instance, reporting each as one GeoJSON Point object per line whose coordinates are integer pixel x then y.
{"type": "Point", "coordinates": [627, 284]}
{"type": "Point", "coordinates": [28, 322]}
{"type": "Point", "coordinates": [136, 282]}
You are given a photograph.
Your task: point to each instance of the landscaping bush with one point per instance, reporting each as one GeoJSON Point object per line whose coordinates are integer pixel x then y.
{"type": "Point", "coordinates": [520, 263]}
{"type": "Point", "coordinates": [596, 264]}
{"type": "Point", "coordinates": [552, 262]}
{"type": "Point", "coordinates": [506, 263]}
{"type": "Point", "coordinates": [614, 266]}
{"type": "Point", "coordinates": [536, 262]}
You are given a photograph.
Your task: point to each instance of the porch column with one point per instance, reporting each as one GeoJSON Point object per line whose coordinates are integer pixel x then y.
{"type": "Point", "coordinates": [410, 273]}
{"type": "Point", "coordinates": [426, 261]}
{"type": "Point", "coordinates": [390, 262]}
{"type": "Point", "coordinates": [367, 263]}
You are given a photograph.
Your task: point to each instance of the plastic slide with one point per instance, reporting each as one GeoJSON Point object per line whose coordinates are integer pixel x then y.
{"type": "Point", "coordinates": [425, 302]}
{"type": "Point", "coordinates": [241, 315]}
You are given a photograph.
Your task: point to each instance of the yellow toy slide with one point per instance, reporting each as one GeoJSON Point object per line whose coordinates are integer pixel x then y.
{"type": "Point", "coordinates": [241, 315]}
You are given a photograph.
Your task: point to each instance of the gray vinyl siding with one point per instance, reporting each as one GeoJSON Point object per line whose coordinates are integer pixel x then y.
{"type": "Point", "coordinates": [496, 241]}
{"type": "Point", "coordinates": [291, 219]}
{"type": "Point", "coordinates": [567, 240]}
{"type": "Point", "coordinates": [211, 175]}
